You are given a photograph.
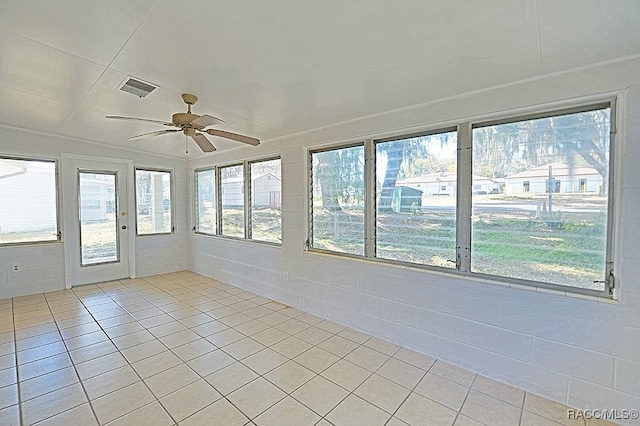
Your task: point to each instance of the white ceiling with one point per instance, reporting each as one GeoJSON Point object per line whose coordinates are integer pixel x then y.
{"type": "Point", "coordinates": [274, 68]}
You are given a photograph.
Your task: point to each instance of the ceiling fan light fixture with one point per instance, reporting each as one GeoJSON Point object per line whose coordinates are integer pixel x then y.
{"type": "Point", "coordinates": [136, 87]}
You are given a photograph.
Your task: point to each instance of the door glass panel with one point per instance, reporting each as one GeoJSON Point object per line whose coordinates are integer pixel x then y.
{"type": "Point", "coordinates": [98, 218]}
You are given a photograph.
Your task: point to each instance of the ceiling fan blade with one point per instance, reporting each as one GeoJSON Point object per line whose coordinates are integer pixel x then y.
{"type": "Point", "coordinates": [206, 120]}
{"type": "Point", "coordinates": [234, 136]}
{"type": "Point", "coordinates": [118, 117]}
{"type": "Point", "coordinates": [151, 134]}
{"type": "Point", "coordinates": [203, 143]}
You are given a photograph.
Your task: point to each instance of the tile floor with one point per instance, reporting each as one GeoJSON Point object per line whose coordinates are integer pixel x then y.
{"type": "Point", "coordinates": [184, 349]}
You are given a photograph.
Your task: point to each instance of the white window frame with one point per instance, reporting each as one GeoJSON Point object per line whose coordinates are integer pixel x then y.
{"type": "Point", "coordinates": [56, 163]}
{"type": "Point", "coordinates": [196, 229]}
{"type": "Point", "coordinates": [464, 199]}
{"type": "Point", "coordinates": [171, 199]}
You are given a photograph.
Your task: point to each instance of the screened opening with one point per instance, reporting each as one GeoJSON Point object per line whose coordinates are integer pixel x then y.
{"type": "Point", "coordinates": [266, 201]}
{"type": "Point", "coordinates": [153, 202]}
{"type": "Point", "coordinates": [232, 201]}
{"type": "Point", "coordinates": [205, 201]}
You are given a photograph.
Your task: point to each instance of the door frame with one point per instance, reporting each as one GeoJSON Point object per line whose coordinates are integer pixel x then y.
{"type": "Point", "coordinates": [70, 200]}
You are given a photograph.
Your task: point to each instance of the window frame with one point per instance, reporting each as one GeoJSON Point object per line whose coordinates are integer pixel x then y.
{"type": "Point", "coordinates": [171, 199]}
{"type": "Point", "coordinates": [58, 202]}
{"type": "Point", "coordinates": [246, 192]}
{"type": "Point", "coordinates": [195, 200]}
{"type": "Point", "coordinates": [249, 195]}
{"type": "Point", "coordinates": [464, 191]}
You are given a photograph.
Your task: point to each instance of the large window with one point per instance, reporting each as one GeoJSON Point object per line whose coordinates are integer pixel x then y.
{"type": "Point", "coordinates": [232, 201]}
{"type": "Point", "coordinates": [338, 200]}
{"type": "Point", "coordinates": [240, 200]}
{"type": "Point", "coordinates": [153, 202]}
{"type": "Point", "coordinates": [526, 200]}
{"type": "Point", "coordinates": [205, 207]}
{"type": "Point", "coordinates": [541, 211]}
{"type": "Point", "coordinates": [266, 200]}
{"type": "Point", "coordinates": [416, 185]}
{"type": "Point", "coordinates": [28, 206]}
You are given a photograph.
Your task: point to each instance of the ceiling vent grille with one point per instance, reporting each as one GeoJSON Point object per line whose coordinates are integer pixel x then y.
{"type": "Point", "coordinates": [137, 87]}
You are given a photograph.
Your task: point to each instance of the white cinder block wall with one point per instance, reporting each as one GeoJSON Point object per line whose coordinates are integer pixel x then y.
{"type": "Point", "coordinates": [584, 353]}
{"type": "Point", "coordinates": [43, 265]}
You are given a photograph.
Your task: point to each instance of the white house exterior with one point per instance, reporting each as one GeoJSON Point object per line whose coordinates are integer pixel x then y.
{"type": "Point", "coordinates": [566, 179]}
{"type": "Point", "coordinates": [445, 184]}
{"type": "Point", "coordinates": [264, 188]}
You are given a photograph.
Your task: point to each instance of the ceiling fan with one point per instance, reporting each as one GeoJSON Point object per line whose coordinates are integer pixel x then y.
{"type": "Point", "coordinates": [192, 125]}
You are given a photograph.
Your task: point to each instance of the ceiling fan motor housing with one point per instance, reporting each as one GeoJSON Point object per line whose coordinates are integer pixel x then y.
{"type": "Point", "coordinates": [183, 118]}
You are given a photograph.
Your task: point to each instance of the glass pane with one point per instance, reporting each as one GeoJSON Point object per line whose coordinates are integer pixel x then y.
{"type": "Point", "coordinates": [338, 200]}
{"type": "Point", "coordinates": [98, 218]}
{"type": "Point", "coordinates": [206, 201]}
{"type": "Point", "coordinates": [153, 201]}
{"type": "Point", "coordinates": [232, 188]}
{"type": "Point", "coordinates": [28, 206]}
{"type": "Point", "coordinates": [540, 199]}
{"type": "Point", "coordinates": [266, 195]}
{"type": "Point", "coordinates": [416, 199]}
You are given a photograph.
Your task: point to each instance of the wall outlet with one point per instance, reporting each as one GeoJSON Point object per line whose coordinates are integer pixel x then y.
{"type": "Point", "coordinates": [15, 267]}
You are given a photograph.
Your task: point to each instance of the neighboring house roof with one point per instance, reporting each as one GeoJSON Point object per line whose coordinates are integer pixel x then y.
{"type": "Point", "coordinates": [557, 170]}
{"type": "Point", "coordinates": [441, 178]}
{"type": "Point", "coordinates": [241, 179]}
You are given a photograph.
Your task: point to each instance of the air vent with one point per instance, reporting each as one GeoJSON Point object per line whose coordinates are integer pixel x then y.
{"type": "Point", "coordinates": [137, 87]}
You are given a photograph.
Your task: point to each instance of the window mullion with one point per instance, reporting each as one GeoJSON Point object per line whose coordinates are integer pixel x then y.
{"type": "Point", "coordinates": [218, 183]}
{"type": "Point", "coordinates": [463, 194]}
{"type": "Point", "coordinates": [247, 199]}
{"type": "Point", "coordinates": [369, 199]}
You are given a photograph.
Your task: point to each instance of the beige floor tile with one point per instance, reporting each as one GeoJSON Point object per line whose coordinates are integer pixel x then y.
{"type": "Point", "coordinates": [123, 329]}
{"type": "Point", "coordinates": [225, 337]}
{"type": "Point", "coordinates": [235, 319]}
{"type": "Point", "coordinates": [289, 376]}
{"type": "Point", "coordinates": [194, 349]}
{"type": "Point", "coordinates": [264, 361]}
{"type": "Point", "coordinates": [93, 351]}
{"type": "Point", "coordinates": [531, 419]}
{"type": "Point", "coordinates": [97, 366]}
{"type": "Point", "coordinates": [383, 346]}
{"type": "Point", "coordinates": [155, 320]}
{"type": "Point", "coordinates": [180, 338]}
{"type": "Point", "coordinates": [367, 358]}
{"type": "Point", "coordinates": [231, 377]}
{"type": "Point", "coordinates": [382, 393]}
{"type": "Point", "coordinates": [189, 400]}
{"type": "Point", "coordinates": [43, 366]}
{"type": "Point", "coordinates": [198, 319]}
{"type": "Point", "coordinates": [355, 411]}
{"type": "Point", "coordinates": [467, 421]}
{"type": "Point", "coordinates": [314, 335]}
{"type": "Point", "coordinates": [10, 416]}
{"type": "Point", "coordinates": [255, 397]}
{"type": "Point", "coordinates": [7, 361]}
{"type": "Point", "coordinates": [8, 376]}
{"type": "Point", "coordinates": [330, 326]}
{"type": "Point", "coordinates": [243, 348]}
{"type": "Point", "coordinates": [546, 408]}
{"type": "Point", "coordinates": [401, 373]}
{"type": "Point", "coordinates": [274, 318]}
{"type": "Point", "coordinates": [38, 340]}
{"type": "Point", "coordinates": [320, 395]}
{"type": "Point", "coordinates": [338, 345]}
{"type": "Point", "coordinates": [210, 362]}
{"type": "Point", "coordinates": [9, 396]}
{"type": "Point", "coordinates": [152, 414]}
{"type": "Point", "coordinates": [116, 321]}
{"type": "Point", "coordinates": [354, 335]}
{"type": "Point", "coordinates": [47, 383]}
{"type": "Point", "coordinates": [156, 363]}
{"type": "Point", "coordinates": [39, 352]}
{"type": "Point", "coordinates": [453, 373]}
{"type": "Point", "coordinates": [110, 381]}
{"type": "Point", "coordinates": [52, 403]}
{"type": "Point", "coordinates": [292, 326]}
{"type": "Point", "coordinates": [252, 327]}
{"type": "Point", "coordinates": [441, 390]}
{"type": "Point", "coordinates": [291, 347]}
{"type": "Point", "coordinates": [418, 410]}
{"type": "Point", "coordinates": [209, 328]}
{"type": "Point", "coordinates": [171, 380]}
{"type": "Point", "coordinates": [415, 358]}
{"type": "Point", "coordinates": [316, 359]}
{"type": "Point", "coordinates": [81, 415]}
{"type": "Point", "coordinates": [7, 348]}
{"type": "Point", "coordinates": [220, 413]}
{"type": "Point", "coordinates": [270, 336]}
{"type": "Point", "coordinates": [166, 329]}
{"type": "Point", "coordinates": [287, 411]}
{"type": "Point", "coordinates": [132, 339]}
{"type": "Point", "coordinates": [79, 330]}
{"type": "Point", "coordinates": [143, 350]}
{"type": "Point", "coordinates": [489, 410]}
{"type": "Point", "coordinates": [117, 404]}
{"type": "Point", "coordinates": [85, 340]}
{"type": "Point", "coordinates": [346, 374]}
{"type": "Point", "coordinates": [499, 390]}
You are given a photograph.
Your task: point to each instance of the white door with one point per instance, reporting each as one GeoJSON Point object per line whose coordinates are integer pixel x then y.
{"type": "Point", "coordinates": [98, 230]}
